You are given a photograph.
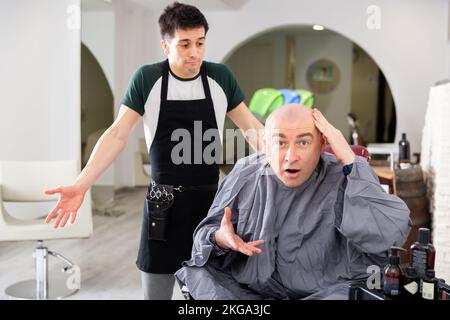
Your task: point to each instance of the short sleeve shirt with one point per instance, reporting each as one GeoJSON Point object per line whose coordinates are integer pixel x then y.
{"type": "Point", "coordinates": [144, 93]}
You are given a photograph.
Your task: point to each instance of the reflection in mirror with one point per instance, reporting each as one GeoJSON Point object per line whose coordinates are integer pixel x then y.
{"type": "Point", "coordinates": [345, 81]}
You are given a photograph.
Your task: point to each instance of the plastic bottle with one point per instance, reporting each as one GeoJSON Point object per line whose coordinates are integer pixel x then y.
{"type": "Point", "coordinates": [392, 274]}
{"type": "Point", "coordinates": [423, 253]}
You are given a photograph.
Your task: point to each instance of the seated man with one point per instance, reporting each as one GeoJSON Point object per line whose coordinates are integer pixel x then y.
{"type": "Point", "coordinates": [294, 222]}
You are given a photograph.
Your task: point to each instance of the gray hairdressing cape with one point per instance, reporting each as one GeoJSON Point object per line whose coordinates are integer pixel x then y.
{"type": "Point", "coordinates": [318, 236]}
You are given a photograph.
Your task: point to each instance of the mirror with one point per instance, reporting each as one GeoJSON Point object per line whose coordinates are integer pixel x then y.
{"type": "Point", "coordinates": [344, 79]}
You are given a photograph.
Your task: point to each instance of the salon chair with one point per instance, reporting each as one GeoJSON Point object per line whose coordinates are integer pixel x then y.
{"type": "Point", "coordinates": [22, 183]}
{"type": "Point", "coordinates": [290, 96]}
{"type": "Point", "coordinates": [264, 101]}
{"type": "Point", "coordinates": [306, 97]}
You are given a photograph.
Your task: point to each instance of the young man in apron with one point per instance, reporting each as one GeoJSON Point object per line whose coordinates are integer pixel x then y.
{"type": "Point", "coordinates": [181, 94]}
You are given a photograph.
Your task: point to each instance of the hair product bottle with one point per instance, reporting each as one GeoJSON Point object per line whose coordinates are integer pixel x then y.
{"type": "Point", "coordinates": [423, 253]}
{"type": "Point", "coordinates": [392, 274]}
{"type": "Point", "coordinates": [429, 286]}
{"type": "Point", "coordinates": [404, 153]}
{"type": "Point", "coordinates": [411, 284]}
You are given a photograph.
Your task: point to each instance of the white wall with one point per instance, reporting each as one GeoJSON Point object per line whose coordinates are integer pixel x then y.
{"type": "Point", "coordinates": [97, 33]}
{"type": "Point", "coordinates": [410, 67]}
{"type": "Point", "coordinates": [136, 42]}
{"type": "Point", "coordinates": [39, 81]}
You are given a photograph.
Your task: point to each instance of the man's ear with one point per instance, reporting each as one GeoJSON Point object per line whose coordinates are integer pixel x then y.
{"type": "Point", "coordinates": [323, 142]}
{"type": "Point", "coordinates": [165, 47]}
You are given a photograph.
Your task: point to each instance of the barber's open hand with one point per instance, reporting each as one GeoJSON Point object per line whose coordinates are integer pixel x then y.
{"type": "Point", "coordinates": [226, 238]}
{"type": "Point", "coordinates": [341, 148]}
{"type": "Point", "coordinates": [70, 200]}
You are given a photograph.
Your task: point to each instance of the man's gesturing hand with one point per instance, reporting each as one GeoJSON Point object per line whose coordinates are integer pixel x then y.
{"type": "Point", "coordinates": [70, 200]}
{"type": "Point", "coordinates": [226, 238]}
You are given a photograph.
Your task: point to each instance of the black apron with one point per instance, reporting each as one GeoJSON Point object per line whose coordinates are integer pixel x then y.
{"type": "Point", "coordinates": [191, 206]}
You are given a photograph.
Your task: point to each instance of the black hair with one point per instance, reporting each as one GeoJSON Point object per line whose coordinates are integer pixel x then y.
{"type": "Point", "coordinates": [180, 16]}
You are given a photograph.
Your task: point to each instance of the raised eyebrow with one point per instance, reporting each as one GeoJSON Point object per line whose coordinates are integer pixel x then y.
{"type": "Point", "coordinates": [305, 135]}
{"type": "Point", "coordinates": [189, 40]}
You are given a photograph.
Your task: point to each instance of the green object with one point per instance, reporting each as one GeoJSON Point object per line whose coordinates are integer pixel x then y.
{"type": "Point", "coordinates": [306, 97]}
{"type": "Point", "coordinates": [265, 100]}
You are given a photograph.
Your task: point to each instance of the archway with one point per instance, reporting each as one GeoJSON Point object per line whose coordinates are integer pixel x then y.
{"type": "Point", "coordinates": [97, 102]}
{"type": "Point", "coordinates": [364, 89]}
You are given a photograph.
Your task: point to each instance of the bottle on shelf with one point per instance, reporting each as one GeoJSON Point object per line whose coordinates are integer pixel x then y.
{"type": "Point", "coordinates": [404, 152]}
{"type": "Point", "coordinates": [423, 253]}
{"type": "Point", "coordinates": [429, 286]}
{"type": "Point", "coordinates": [392, 274]}
{"type": "Point", "coordinates": [411, 284]}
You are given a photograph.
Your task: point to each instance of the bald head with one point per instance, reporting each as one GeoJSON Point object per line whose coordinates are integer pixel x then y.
{"type": "Point", "coordinates": [293, 144]}
{"type": "Point", "coordinates": [290, 116]}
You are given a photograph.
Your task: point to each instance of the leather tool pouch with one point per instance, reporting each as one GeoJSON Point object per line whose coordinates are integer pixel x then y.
{"type": "Point", "coordinates": [160, 199]}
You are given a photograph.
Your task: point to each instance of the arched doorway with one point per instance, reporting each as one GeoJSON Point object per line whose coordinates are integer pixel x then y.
{"type": "Point", "coordinates": [97, 114]}
{"type": "Point", "coordinates": [97, 103]}
{"type": "Point", "coordinates": [281, 57]}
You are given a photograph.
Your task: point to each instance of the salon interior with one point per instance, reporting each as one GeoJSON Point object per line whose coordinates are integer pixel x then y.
{"type": "Point", "coordinates": [378, 70]}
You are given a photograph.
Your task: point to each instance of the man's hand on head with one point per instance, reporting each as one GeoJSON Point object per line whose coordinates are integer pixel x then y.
{"type": "Point", "coordinates": [226, 238]}
{"type": "Point", "coordinates": [335, 138]}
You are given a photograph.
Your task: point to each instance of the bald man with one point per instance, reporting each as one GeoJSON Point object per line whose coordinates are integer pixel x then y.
{"type": "Point", "coordinates": [294, 222]}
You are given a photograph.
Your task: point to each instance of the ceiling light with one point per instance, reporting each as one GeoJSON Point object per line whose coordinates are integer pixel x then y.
{"type": "Point", "coordinates": [318, 27]}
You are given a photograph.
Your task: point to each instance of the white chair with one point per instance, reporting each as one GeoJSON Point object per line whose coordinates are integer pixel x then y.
{"type": "Point", "coordinates": [22, 182]}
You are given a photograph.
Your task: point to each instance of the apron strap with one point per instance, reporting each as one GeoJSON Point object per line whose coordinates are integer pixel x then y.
{"type": "Point", "coordinates": [165, 81]}
{"type": "Point", "coordinates": [205, 82]}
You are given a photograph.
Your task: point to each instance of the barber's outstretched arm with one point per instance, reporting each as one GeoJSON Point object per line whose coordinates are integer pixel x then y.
{"type": "Point", "coordinates": [365, 214]}
{"type": "Point", "coordinates": [108, 147]}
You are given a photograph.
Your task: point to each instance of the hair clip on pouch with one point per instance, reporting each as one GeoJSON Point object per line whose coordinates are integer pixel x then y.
{"type": "Point", "coordinates": [160, 199]}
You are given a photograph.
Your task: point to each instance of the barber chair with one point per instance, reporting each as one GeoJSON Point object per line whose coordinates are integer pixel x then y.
{"type": "Point", "coordinates": [306, 97]}
{"type": "Point", "coordinates": [264, 101]}
{"type": "Point", "coordinates": [290, 96]}
{"type": "Point", "coordinates": [22, 183]}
